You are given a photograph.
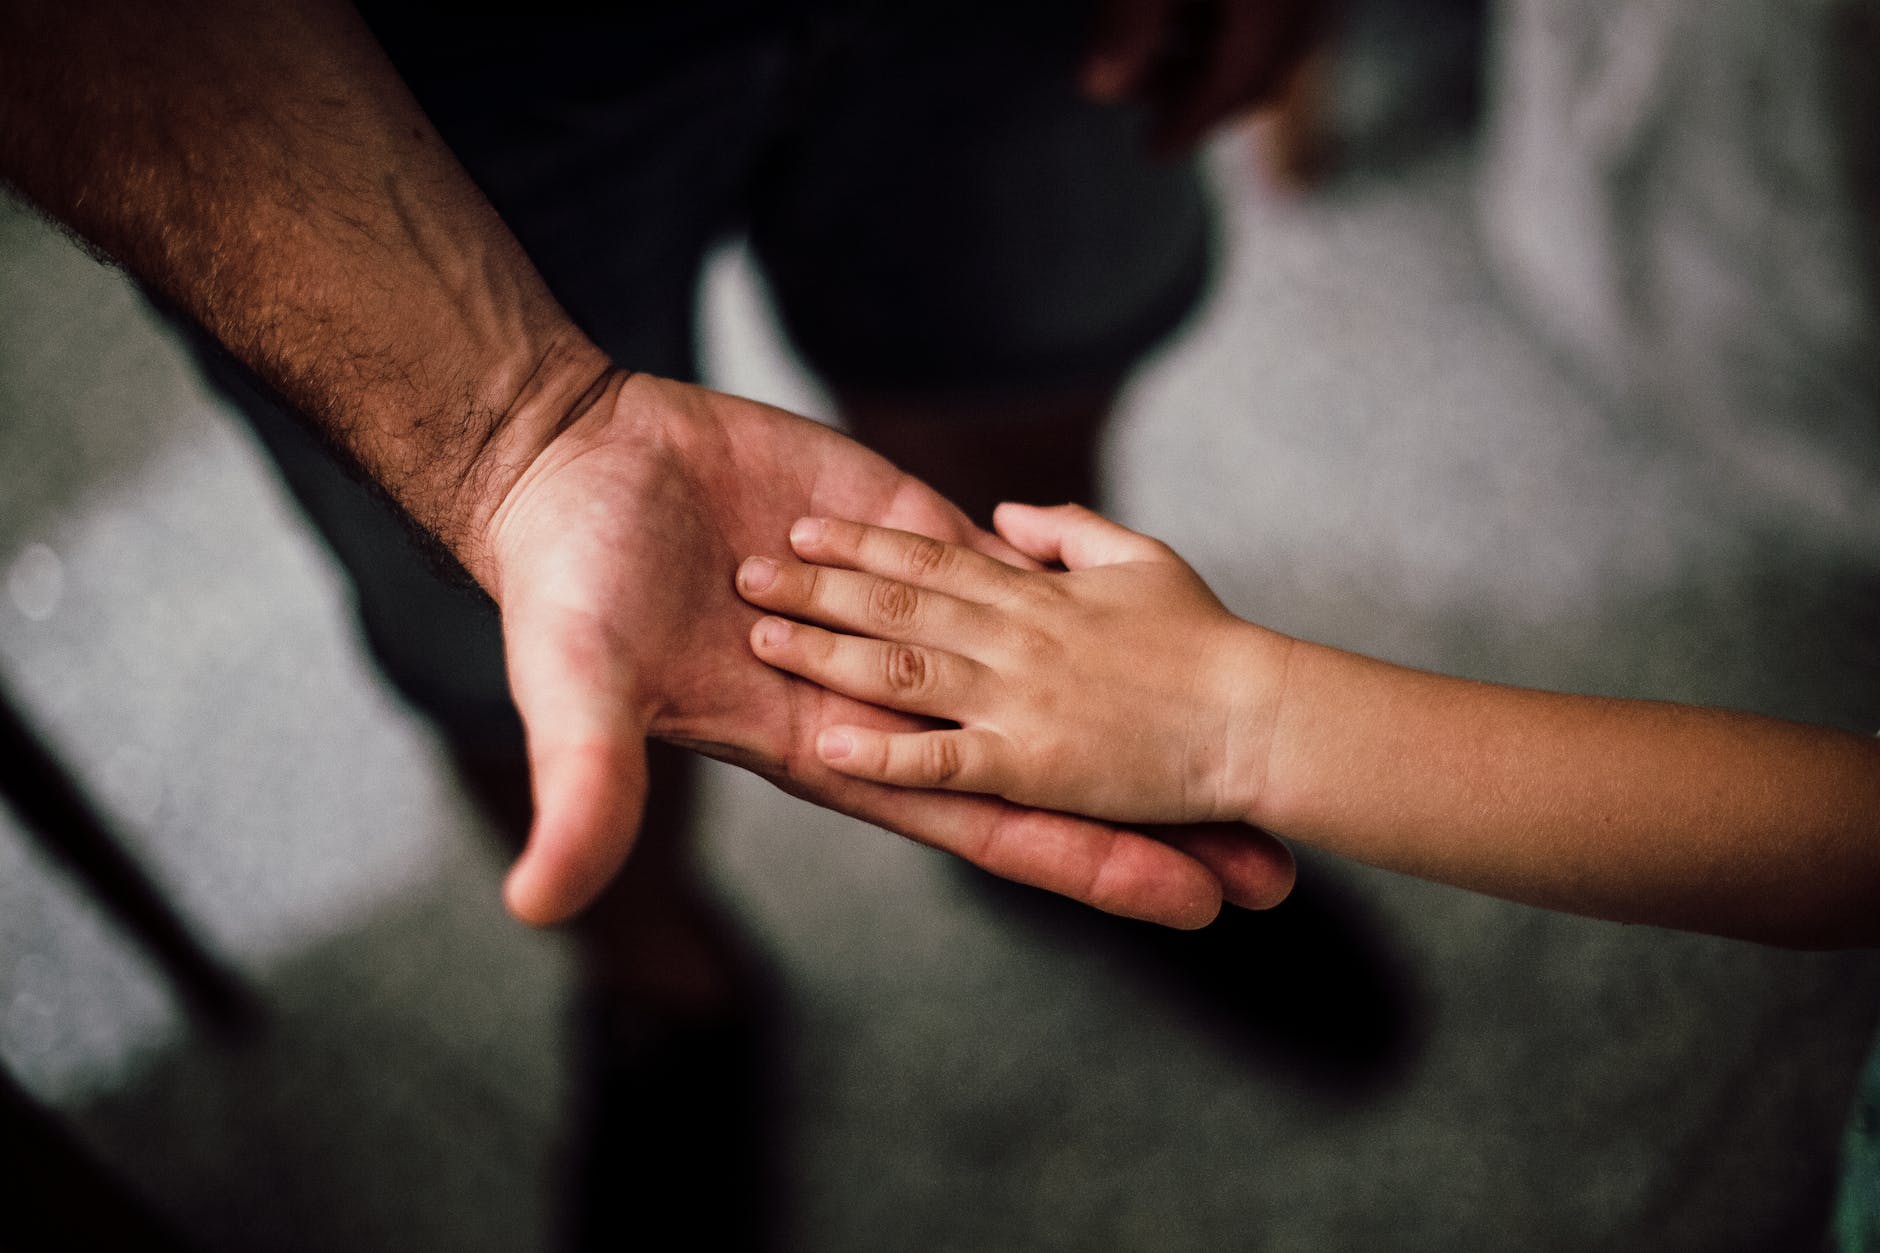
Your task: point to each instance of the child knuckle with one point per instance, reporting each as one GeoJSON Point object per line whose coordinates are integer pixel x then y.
{"type": "Point", "coordinates": [925, 557]}
{"type": "Point", "coordinates": [908, 672]}
{"type": "Point", "coordinates": [1029, 642]}
{"type": "Point", "coordinates": [1042, 595]}
{"type": "Point", "coordinates": [814, 585]}
{"type": "Point", "coordinates": [892, 605]}
{"type": "Point", "coordinates": [940, 759]}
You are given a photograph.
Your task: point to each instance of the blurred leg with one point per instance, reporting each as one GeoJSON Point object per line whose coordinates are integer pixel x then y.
{"type": "Point", "coordinates": [973, 256]}
{"type": "Point", "coordinates": [617, 161]}
{"type": "Point", "coordinates": [975, 259]}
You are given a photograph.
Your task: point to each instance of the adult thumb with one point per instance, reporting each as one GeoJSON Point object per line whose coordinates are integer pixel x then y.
{"type": "Point", "coordinates": [587, 773]}
{"type": "Point", "coordinates": [588, 801]}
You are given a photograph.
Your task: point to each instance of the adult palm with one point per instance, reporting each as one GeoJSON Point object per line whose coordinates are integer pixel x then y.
{"type": "Point", "coordinates": [613, 556]}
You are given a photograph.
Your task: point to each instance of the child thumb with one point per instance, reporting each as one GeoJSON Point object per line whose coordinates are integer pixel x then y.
{"type": "Point", "coordinates": [1072, 536]}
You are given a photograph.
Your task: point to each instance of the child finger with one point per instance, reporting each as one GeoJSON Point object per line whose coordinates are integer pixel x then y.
{"type": "Point", "coordinates": [903, 556]}
{"type": "Point", "coordinates": [864, 604]}
{"type": "Point", "coordinates": [1073, 536]}
{"type": "Point", "coordinates": [898, 676]}
{"type": "Point", "coordinates": [965, 760]}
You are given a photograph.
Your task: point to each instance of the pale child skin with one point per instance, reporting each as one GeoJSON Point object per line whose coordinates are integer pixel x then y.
{"type": "Point", "coordinates": [1119, 687]}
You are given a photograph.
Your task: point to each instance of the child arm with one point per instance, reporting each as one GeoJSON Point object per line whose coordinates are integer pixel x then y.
{"type": "Point", "coordinates": [1636, 811]}
{"type": "Point", "coordinates": [1123, 689]}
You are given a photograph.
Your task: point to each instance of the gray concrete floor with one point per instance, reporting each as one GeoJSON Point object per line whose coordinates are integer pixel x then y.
{"type": "Point", "coordinates": [1356, 442]}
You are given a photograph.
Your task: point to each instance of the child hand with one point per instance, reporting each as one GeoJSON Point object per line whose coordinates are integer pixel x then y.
{"type": "Point", "coordinates": [1120, 688]}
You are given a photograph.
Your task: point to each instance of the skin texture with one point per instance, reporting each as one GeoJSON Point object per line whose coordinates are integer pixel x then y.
{"type": "Point", "coordinates": [1120, 687]}
{"type": "Point", "coordinates": [949, 634]}
{"type": "Point", "coordinates": [647, 502]}
{"type": "Point", "coordinates": [262, 167]}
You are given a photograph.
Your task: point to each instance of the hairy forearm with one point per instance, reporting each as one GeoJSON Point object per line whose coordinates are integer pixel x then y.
{"type": "Point", "coordinates": [263, 167]}
{"type": "Point", "coordinates": [1629, 810]}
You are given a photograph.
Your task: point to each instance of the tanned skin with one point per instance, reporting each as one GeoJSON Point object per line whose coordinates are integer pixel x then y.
{"type": "Point", "coordinates": [1122, 688]}
{"type": "Point", "coordinates": [263, 168]}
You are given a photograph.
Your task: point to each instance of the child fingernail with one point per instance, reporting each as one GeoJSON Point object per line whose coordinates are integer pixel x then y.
{"type": "Point", "coordinates": [772, 632]}
{"type": "Point", "coordinates": [758, 573]}
{"type": "Point", "coordinates": [834, 745]}
{"type": "Point", "coordinates": [807, 530]}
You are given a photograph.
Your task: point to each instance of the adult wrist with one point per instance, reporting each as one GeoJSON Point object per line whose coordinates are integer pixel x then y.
{"type": "Point", "coordinates": [536, 399]}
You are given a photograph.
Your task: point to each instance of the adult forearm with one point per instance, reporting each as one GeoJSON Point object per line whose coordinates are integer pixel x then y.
{"type": "Point", "coordinates": [1637, 811]}
{"type": "Point", "coordinates": [263, 167]}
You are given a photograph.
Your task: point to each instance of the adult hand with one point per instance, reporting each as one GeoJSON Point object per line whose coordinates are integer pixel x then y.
{"type": "Point", "coordinates": [369, 284]}
{"type": "Point", "coordinates": [613, 557]}
{"type": "Point", "coordinates": [1195, 63]}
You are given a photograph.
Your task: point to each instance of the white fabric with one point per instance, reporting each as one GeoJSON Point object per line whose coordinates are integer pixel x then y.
{"type": "Point", "coordinates": [1685, 196]}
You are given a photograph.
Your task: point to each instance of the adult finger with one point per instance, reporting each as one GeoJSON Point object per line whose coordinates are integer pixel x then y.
{"type": "Point", "coordinates": [923, 511]}
{"type": "Point", "coordinates": [1118, 871]}
{"type": "Point", "coordinates": [1073, 536]}
{"type": "Point", "coordinates": [1255, 869]}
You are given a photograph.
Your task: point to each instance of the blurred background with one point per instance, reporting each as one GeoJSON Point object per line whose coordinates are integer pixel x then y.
{"type": "Point", "coordinates": [1561, 371]}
